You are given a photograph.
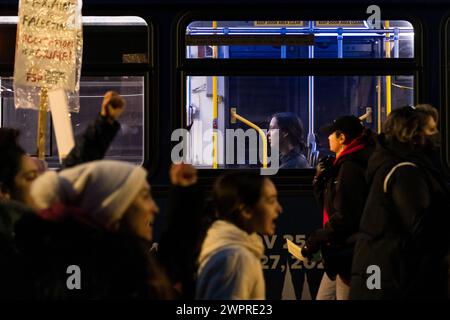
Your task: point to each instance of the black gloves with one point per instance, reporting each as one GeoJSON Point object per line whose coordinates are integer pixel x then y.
{"type": "Point", "coordinates": [325, 165]}
{"type": "Point", "coordinates": [324, 169]}
{"type": "Point", "coordinates": [314, 243]}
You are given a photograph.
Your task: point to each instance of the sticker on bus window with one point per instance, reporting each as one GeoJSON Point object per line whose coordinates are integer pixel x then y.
{"type": "Point", "coordinates": [279, 23]}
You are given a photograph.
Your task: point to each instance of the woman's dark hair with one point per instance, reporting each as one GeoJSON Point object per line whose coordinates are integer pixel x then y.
{"type": "Point", "coordinates": [406, 125]}
{"type": "Point", "coordinates": [429, 110]}
{"type": "Point", "coordinates": [232, 190]}
{"type": "Point", "coordinates": [10, 157]}
{"type": "Point", "coordinates": [291, 124]}
{"type": "Point", "coordinates": [349, 137]}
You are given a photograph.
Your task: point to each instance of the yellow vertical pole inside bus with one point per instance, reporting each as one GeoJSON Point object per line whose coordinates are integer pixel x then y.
{"type": "Point", "coordinates": [388, 78]}
{"type": "Point", "coordinates": [215, 106]}
{"type": "Point", "coordinates": [379, 104]}
{"type": "Point", "coordinates": [42, 123]}
{"type": "Point", "coordinates": [235, 116]}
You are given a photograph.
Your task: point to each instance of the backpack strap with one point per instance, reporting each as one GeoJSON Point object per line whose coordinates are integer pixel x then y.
{"type": "Point", "coordinates": [388, 176]}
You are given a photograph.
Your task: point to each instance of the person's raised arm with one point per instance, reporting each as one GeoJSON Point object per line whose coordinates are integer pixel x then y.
{"type": "Point", "coordinates": [95, 141]}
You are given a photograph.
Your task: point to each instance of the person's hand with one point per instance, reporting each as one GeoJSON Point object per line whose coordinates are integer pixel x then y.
{"type": "Point", "coordinates": [324, 165]}
{"type": "Point", "coordinates": [183, 175]}
{"type": "Point", "coordinates": [313, 243]}
{"type": "Point", "coordinates": [113, 106]}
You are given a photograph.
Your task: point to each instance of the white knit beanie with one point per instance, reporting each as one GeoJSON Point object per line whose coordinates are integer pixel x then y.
{"type": "Point", "coordinates": [102, 189]}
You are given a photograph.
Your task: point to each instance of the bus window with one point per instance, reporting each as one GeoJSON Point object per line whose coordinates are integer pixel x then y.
{"type": "Point", "coordinates": [117, 40]}
{"type": "Point", "coordinates": [222, 96]}
{"type": "Point", "coordinates": [127, 145]}
{"type": "Point", "coordinates": [312, 100]}
{"type": "Point", "coordinates": [106, 40]}
{"type": "Point", "coordinates": [110, 43]}
{"type": "Point", "coordinates": [298, 40]}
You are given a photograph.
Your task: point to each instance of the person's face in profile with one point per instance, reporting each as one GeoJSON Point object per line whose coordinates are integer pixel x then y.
{"type": "Point", "coordinates": [266, 211]}
{"type": "Point", "coordinates": [273, 136]}
{"type": "Point", "coordinates": [431, 127]}
{"type": "Point", "coordinates": [27, 173]}
{"type": "Point", "coordinates": [336, 142]}
{"type": "Point", "coordinates": [140, 216]}
{"type": "Point", "coordinates": [431, 135]}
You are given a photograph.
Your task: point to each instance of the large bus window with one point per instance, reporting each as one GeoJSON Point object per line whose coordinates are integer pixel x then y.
{"type": "Point", "coordinates": [127, 145]}
{"type": "Point", "coordinates": [298, 39]}
{"type": "Point", "coordinates": [106, 40]}
{"type": "Point", "coordinates": [117, 39]}
{"type": "Point", "coordinates": [315, 100]}
{"type": "Point", "coordinates": [110, 44]}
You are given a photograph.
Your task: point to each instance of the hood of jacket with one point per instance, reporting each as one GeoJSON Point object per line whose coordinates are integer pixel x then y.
{"type": "Point", "coordinates": [359, 150]}
{"type": "Point", "coordinates": [390, 153]}
{"type": "Point", "coordinates": [223, 235]}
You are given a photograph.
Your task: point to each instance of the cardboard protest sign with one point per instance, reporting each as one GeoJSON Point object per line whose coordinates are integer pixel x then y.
{"type": "Point", "coordinates": [48, 50]}
{"type": "Point", "coordinates": [61, 122]}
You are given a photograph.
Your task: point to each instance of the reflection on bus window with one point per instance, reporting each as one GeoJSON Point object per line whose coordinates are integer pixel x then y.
{"type": "Point", "coordinates": [297, 106]}
{"type": "Point", "coordinates": [298, 39]}
{"type": "Point", "coordinates": [128, 143]}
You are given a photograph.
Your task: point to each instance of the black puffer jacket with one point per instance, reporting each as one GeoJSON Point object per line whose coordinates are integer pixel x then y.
{"type": "Point", "coordinates": [342, 193]}
{"type": "Point", "coordinates": [93, 143]}
{"type": "Point", "coordinates": [405, 230]}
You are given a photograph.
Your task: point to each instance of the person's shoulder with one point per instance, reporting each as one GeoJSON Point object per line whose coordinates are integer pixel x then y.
{"type": "Point", "coordinates": [232, 263]}
{"type": "Point", "coordinates": [14, 209]}
{"type": "Point", "coordinates": [353, 165]}
{"type": "Point", "coordinates": [296, 161]}
{"type": "Point", "coordinates": [401, 175]}
{"type": "Point", "coordinates": [303, 162]}
{"type": "Point", "coordinates": [233, 256]}
{"type": "Point", "coordinates": [352, 174]}
{"type": "Point", "coordinates": [405, 171]}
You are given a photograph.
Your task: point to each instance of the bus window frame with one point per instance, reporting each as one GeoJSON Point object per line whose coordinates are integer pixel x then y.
{"type": "Point", "coordinates": [147, 70]}
{"type": "Point", "coordinates": [289, 67]}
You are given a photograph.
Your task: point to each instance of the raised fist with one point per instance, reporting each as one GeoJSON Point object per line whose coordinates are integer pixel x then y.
{"type": "Point", "coordinates": [183, 175]}
{"type": "Point", "coordinates": [113, 106]}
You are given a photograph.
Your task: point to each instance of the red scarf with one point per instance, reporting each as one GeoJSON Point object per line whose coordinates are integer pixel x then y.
{"type": "Point", "coordinates": [353, 147]}
{"type": "Point", "coordinates": [325, 216]}
{"type": "Point", "coordinates": [59, 211]}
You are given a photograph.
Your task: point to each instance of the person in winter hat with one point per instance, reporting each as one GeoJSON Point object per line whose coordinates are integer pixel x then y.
{"type": "Point", "coordinates": [18, 170]}
{"type": "Point", "coordinates": [97, 216]}
{"type": "Point", "coordinates": [230, 258]}
{"type": "Point", "coordinates": [110, 194]}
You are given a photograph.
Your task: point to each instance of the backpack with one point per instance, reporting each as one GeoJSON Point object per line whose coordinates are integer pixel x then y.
{"type": "Point", "coordinates": [391, 172]}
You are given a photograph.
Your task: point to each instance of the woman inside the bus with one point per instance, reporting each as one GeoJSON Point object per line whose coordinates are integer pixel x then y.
{"type": "Point", "coordinates": [289, 139]}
